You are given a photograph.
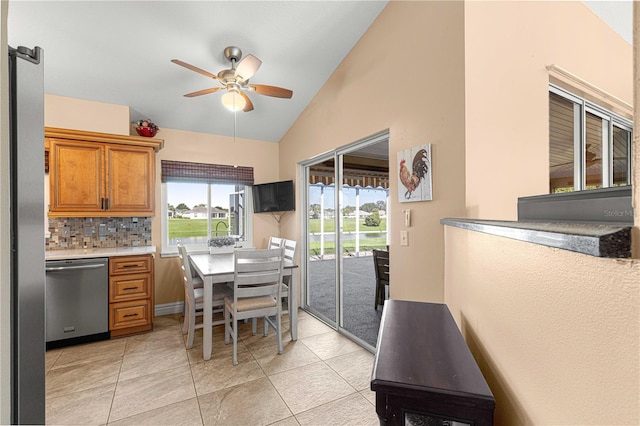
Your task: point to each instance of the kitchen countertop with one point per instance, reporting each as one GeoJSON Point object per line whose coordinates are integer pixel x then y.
{"type": "Point", "coordinates": [97, 252]}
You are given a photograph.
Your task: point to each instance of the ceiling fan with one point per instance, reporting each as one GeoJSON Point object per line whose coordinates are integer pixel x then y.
{"type": "Point", "coordinates": [236, 81]}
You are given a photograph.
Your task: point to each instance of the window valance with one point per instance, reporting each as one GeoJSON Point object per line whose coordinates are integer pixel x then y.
{"type": "Point", "coordinates": [183, 171]}
{"type": "Point", "coordinates": [363, 178]}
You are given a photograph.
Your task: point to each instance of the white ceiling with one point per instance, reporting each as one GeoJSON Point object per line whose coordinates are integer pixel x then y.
{"type": "Point", "coordinates": [120, 51]}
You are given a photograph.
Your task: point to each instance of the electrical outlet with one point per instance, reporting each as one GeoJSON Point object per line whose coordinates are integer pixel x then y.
{"type": "Point", "coordinates": [404, 238]}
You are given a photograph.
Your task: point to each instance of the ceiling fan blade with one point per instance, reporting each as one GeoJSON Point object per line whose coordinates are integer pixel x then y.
{"type": "Point", "coordinates": [276, 92]}
{"type": "Point", "coordinates": [249, 105]}
{"type": "Point", "coordinates": [203, 92]}
{"type": "Point", "coordinates": [196, 69]}
{"type": "Point", "coordinates": [247, 67]}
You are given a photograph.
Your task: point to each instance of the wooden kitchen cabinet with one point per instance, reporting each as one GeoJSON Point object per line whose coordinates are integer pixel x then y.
{"type": "Point", "coordinates": [130, 294]}
{"type": "Point", "coordinates": [97, 174]}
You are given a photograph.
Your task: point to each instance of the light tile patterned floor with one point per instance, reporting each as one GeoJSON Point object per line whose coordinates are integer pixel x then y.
{"type": "Point", "coordinates": [321, 379]}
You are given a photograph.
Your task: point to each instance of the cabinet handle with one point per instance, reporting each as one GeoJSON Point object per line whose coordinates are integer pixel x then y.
{"type": "Point", "coordinates": [106, 204]}
{"type": "Point", "coordinates": [130, 315]}
{"type": "Point", "coordinates": [132, 265]}
{"type": "Point", "coordinates": [102, 203]}
{"type": "Point", "coordinates": [130, 288]}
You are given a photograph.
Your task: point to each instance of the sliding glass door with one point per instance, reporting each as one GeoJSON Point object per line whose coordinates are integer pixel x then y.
{"type": "Point", "coordinates": [345, 221]}
{"type": "Point", "coordinates": [320, 242]}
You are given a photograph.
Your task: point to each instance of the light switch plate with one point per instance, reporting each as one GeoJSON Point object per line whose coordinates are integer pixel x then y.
{"type": "Point", "coordinates": [407, 217]}
{"type": "Point", "coordinates": [404, 238]}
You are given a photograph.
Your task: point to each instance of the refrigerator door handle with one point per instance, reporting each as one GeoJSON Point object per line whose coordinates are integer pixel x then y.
{"type": "Point", "coordinates": [31, 55]}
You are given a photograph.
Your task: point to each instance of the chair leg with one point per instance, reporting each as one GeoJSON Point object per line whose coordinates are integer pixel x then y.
{"type": "Point", "coordinates": [185, 322]}
{"type": "Point", "coordinates": [191, 332]}
{"type": "Point", "coordinates": [235, 341]}
{"type": "Point", "coordinates": [278, 332]}
{"type": "Point", "coordinates": [254, 325]}
{"type": "Point", "coordinates": [227, 326]}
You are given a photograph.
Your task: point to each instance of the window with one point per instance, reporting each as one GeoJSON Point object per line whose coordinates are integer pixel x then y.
{"type": "Point", "coordinates": [589, 146]}
{"type": "Point", "coordinates": [204, 200]}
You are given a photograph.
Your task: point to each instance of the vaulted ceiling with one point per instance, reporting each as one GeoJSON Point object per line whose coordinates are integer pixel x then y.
{"type": "Point", "coordinates": [120, 52]}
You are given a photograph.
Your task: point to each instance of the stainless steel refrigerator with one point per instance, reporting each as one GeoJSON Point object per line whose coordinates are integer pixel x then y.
{"type": "Point", "coordinates": [26, 124]}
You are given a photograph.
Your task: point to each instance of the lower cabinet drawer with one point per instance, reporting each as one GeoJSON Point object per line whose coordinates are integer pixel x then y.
{"type": "Point", "coordinates": [129, 314]}
{"type": "Point", "coordinates": [129, 287]}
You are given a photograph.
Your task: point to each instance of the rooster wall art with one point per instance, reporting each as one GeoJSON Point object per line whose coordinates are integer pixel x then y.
{"type": "Point", "coordinates": [414, 183]}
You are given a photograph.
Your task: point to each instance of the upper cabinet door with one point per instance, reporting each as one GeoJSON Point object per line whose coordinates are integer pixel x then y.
{"type": "Point", "coordinates": [76, 171]}
{"type": "Point", "coordinates": [130, 179]}
{"type": "Point", "coordinates": [99, 174]}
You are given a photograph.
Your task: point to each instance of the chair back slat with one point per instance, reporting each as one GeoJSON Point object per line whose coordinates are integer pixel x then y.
{"type": "Point", "coordinates": [249, 291]}
{"type": "Point", "coordinates": [255, 279]}
{"type": "Point", "coordinates": [259, 265]}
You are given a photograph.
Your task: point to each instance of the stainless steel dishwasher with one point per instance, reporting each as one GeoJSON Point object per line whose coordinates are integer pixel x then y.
{"type": "Point", "coordinates": [77, 301]}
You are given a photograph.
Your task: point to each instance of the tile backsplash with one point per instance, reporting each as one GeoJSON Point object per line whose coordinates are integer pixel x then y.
{"type": "Point", "coordinates": [98, 232]}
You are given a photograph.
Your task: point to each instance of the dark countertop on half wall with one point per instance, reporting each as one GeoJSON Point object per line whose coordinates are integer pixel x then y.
{"type": "Point", "coordinates": [600, 240]}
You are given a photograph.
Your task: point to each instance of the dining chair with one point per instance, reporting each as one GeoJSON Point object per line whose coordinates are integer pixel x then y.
{"type": "Point", "coordinates": [257, 282]}
{"type": "Point", "coordinates": [290, 248]}
{"type": "Point", "coordinates": [197, 281]}
{"type": "Point", "coordinates": [194, 298]}
{"type": "Point", "coordinates": [275, 242]}
{"type": "Point", "coordinates": [381, 268]}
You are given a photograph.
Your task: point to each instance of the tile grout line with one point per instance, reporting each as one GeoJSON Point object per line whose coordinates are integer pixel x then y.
{"type": "Point", "coordinates": [193, 380]}
{"type": "Point", "coordinates": [115, 388]}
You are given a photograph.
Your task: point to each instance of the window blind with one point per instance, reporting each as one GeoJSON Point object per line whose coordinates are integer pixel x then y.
{"type": "Point", "coordinates": [182, 171]}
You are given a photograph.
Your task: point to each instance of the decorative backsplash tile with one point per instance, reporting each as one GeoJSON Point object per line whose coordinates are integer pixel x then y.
{"type": "Point", "coordinates": [98, 232]}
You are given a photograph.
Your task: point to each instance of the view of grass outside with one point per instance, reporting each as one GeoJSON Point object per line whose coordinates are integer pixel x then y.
{"type": "Point", "coordinates": [182, 228]}
{"type": "Point", "coordinates": [348, 226]}
{"type": "Point", "coordinates": [348, 245]}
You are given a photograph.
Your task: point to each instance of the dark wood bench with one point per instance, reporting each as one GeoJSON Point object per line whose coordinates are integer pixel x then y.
{"type": "Point", "coordinates": [424, 373]}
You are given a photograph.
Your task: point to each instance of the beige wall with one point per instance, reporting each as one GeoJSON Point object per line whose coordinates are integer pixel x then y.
{"type": "Point", "coordinates": [508, 46]}
{"type": "Point", "coordinates": [556, 333]}
{"type": "Point", "coordinates": [80, 114]}
{"type": "Point", "coordinates": [205, 148]}
{"type": "Point", "coordinates": [406, 75]}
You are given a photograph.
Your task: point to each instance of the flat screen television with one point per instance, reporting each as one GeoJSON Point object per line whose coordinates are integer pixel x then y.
{"type": "Point", "coordinates": [274, 197]}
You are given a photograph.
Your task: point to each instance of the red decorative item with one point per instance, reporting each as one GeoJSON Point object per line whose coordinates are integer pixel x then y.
{"type": "Point", "coordinates": [148, 132]}
{"type": "Point", "coordinates": [146, 128]}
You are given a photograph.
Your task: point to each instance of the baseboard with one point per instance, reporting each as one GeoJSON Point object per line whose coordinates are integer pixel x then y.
{"type": "Point", "coordinates": [168, 309]}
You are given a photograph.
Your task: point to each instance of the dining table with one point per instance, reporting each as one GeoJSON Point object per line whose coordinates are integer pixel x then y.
{"type": "Point", "coordinates": [219, 268]}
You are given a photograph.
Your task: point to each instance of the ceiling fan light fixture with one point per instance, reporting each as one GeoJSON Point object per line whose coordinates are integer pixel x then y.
{"type": "Point", "coordinates": [233, 100]}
